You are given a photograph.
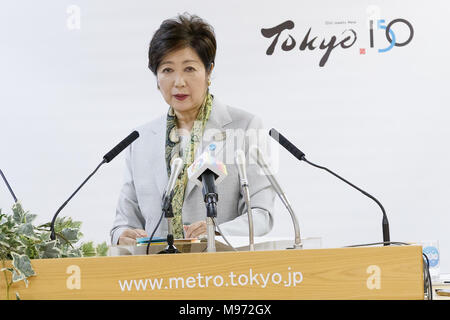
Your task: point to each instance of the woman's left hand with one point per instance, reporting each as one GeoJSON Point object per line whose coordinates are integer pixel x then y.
{"type": "Point", "coordinates": [195, 229]}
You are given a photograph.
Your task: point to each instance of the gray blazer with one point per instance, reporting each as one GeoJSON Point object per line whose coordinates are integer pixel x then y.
{"type": "Point", "coordinates": [145, 179]}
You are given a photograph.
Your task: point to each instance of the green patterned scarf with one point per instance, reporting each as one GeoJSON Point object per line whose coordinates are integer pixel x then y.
{"type": "Point", "coordinates": [173, 151]}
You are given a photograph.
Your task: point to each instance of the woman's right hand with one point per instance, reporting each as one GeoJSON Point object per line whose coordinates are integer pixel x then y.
{"type": "Point", "coordinates": [129, 236]}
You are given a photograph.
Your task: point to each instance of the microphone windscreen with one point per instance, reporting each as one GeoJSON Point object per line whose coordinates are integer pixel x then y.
{"type": "Point", "coordinates": [121, 146]}
{"type": "Point", "coordinates": [286, 144]}
{"type": "Point", "coordinates": [175, 170]}
{"type": "Point", "coordinates": [203, 163]}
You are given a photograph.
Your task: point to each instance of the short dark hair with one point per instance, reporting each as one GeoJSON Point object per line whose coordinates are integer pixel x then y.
{"type": "Point", "coordinates": [181, 32]}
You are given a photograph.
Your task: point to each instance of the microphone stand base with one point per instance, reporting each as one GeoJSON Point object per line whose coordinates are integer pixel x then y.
{"type": "Point", "coordinates": [169, 249]}
{"type": "Point", "coordinates": [296, 247]}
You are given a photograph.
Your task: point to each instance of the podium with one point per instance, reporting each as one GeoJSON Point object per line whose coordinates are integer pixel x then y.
{"type": "Point", "coordinates": [390, 272]}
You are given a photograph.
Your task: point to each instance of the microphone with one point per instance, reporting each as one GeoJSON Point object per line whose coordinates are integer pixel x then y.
{"type": "Point", "coordinates": [8, 186]}
{"type": "Point", "coordinates": [207, 171]}
{"type": "Point", "coordinates": [206, 161]}
{"type": "Point", "coordinates": [257, 155]}
{"type": "Point", "coordinates": [175, 170]}
{"type": "Point", "coordinates": [301, 156]}
{"type": "Point", "coordinates": [177, 166]}
{"type": "Point", "coordinates": [106, 159]}
{"type": "Point", "coordinates": [242, 170]}
{"type": "Point", "coordinates": [121, 146]}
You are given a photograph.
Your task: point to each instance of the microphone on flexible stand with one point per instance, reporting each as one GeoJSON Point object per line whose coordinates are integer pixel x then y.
{"type": "Point", "coordinates": [257, 155]}
{"type": "Point", "coordinates": [177, 166]}
{"type": "Point", "coordinates": [242, 169]}
{"type": "Point", "coordinates": [106, 159]}
{"type": "Point", "coordinates": [206, 171]}
{"type": "Point", "coordinates": [301, 156]}
{"type": "Point", "coordinates": [8, 186]}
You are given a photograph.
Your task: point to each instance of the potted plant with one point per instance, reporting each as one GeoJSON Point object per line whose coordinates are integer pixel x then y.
{"type": "Point", "coordinates": [21, 241]}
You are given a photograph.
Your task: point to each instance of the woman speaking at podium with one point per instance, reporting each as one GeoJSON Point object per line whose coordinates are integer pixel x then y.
{"type": "Point", "coordinates": [181, 55]}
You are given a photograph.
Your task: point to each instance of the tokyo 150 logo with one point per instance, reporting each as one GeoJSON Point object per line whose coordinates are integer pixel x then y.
{"type": "Point", "coordinates": [341, 41]}
{"type": "Point", "coordinates": [390, 35]}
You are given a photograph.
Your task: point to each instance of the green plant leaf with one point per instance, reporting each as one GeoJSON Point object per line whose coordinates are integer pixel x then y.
{"type": "Point", "coordinates": [88, 249]}
{"type": "Point", "coordinates": [74, 253]}
{"type": "Point", "coordinates": [18, 213]}
{"type": "Point", "coordinates": [102, 249]}
{"type": "Point", "coordinates": [17, 276]}
{"type": "Point", "coordinates": [30, 217]}
{"type": "Point", "coordinates": [45, 225]}
{"type": "Point", "coordinates": [70, 234]}
{"type": "Point", "coordinates": [22, 264]}
{"type": "Point", "coordinates": [66, 222]}
{"type": "Point", "coordinates": [44, 236]}
{"type": "Point", "coordinates": [26, 229]}
{"type": "Point", "coordinates": [49, 250]}
{"type": "Point", "coordinates": [5, 244]}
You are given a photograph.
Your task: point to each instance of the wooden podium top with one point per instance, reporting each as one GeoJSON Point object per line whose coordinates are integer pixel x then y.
{"type": "Point", "coordinates": [392, 272]}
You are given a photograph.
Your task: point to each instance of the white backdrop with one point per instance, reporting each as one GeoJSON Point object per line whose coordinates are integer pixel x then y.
{"type": "Point", "coordinates": [74, 82]}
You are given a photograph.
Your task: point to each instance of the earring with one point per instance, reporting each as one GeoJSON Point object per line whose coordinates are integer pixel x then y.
{"type": "Point", "coordinates": [209, 82]}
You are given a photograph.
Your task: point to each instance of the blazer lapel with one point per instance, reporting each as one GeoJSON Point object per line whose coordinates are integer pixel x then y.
{"type": "Point", "coordinates": [160, 167]}
{"type": "Point", "coordinates": [214, 133]}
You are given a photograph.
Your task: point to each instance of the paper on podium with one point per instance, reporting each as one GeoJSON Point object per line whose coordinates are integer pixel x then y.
{"type": "Point", "coordinates": [239, 243]}
{"type": "Point", "coordinates": [191, 247]}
